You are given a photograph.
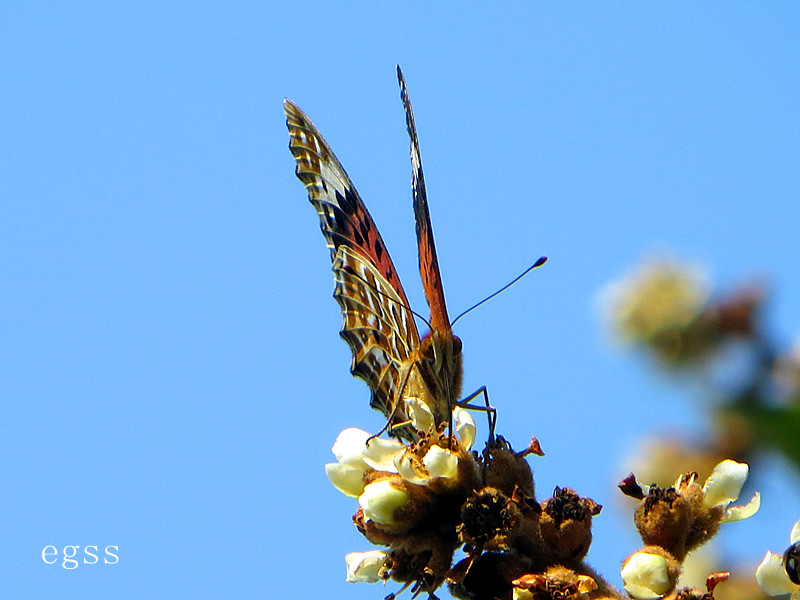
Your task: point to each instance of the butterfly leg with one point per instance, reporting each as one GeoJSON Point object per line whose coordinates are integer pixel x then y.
{"type": "Point", "coordinates": [491, 412]}
{"type": "Point", "coordinates": [390, 419]}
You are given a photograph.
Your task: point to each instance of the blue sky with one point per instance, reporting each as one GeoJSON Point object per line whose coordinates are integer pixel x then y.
{"type": "Point", "coordinates": [171, 370]}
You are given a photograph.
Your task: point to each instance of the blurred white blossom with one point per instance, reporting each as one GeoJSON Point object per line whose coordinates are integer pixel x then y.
{"type": "Point", "coordinates": [771, 574]}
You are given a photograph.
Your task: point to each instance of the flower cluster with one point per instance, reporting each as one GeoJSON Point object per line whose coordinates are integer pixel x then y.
{"type": "Point", "coordinates": [424, 500]}
{"type": "Point", "coordinates": [407, 495]}
{"type": "Point", "coordinates": [665, 307]}
{"type": "Point", "coordinates": [674, 521]}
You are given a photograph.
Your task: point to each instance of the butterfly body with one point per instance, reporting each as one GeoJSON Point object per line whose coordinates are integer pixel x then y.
{"type": "Point", "coordinates": [439, 371]}
{"type": "Point", "coordinates": [378, 324]}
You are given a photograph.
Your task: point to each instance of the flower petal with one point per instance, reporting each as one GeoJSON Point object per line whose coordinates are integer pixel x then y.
{"type": "Point", "coordinates": [725, 483]}
{"type": "Point", "coordinates": [794, 537]}
{"type": "Point", "coordinates": [771, 576]}
{"type": "Point", "coordinates": [363, 567]}
{"type": "Point", "coordinates": [350, 444]}
{"type": "Point", "coordinates": [737, 513]}
{"type": "Point", "coordinates": [380, 454]}
{"type": "Point", "coordinates": [440, 462]}
{"type": "Point", "coordinates": [645, 576]}
{"type": "Point", "coordinates": [380, 499]}
{"type": "Point", "coordinates": [465, 427]}
{"type": "Point", "coordinates": [420, 414]}
{"type": "Point", "coordinates": [346, 478]}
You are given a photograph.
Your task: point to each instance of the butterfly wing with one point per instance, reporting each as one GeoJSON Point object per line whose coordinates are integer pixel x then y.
{"type": "Point", "coordinates": [428, 263]}
{"type": "Point", "coordinates": [378, 326]}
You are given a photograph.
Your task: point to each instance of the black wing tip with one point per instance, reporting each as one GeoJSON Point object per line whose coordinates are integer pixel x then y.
{"type": "Point", "coordinates": [401, 80]}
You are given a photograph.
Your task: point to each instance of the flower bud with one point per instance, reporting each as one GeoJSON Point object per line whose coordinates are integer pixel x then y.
{"type": "Point", "coordinates": [649, 574]}
{"type": "Point", "coordinates": [664, 519]}
{"type": "Point", "coordinates": [508, 470]}
{"type": "Point", "coordinates": [566, 524]}
{"type": "Point", "coordinates": [381, 499]}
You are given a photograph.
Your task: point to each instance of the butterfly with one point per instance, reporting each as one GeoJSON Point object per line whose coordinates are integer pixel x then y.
{"type": "Point", "coordinates": [388, 352]}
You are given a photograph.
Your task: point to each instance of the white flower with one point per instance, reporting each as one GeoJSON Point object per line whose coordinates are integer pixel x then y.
{"type": "Point", "coordinates": [437, 462]}
{"type": "Point", "coordinates": [411, 469]}
{"type": "Point", "coordinates": [355, 457]}
{"type": "Point", "coordinates": [660, 296]}
{"type": "Point", "coordinates": [347, 474]}
{"type": "Point", "coordinates": [380, 499]}
{"type": "Point", "coordinates": [380, 454]}
{"type": "Point", "coordinates": [440, 462]}
{"type": "Point", "coordinates": [645, 576]}
{"type": "Point", "coordinates": [350, 444]}
{"type": "Point", "coordinates": [422, 420]}
{"type": "Point", "coordinates": [771, 574]}
{"type": "Point", "coordinates": [346, 479]}
{"type": "Point", "coordinates": [724, 485]}
{"type": "Point", "coordinates": [465, 428]}
{"type": "Point", "coordinates": [363, 567]}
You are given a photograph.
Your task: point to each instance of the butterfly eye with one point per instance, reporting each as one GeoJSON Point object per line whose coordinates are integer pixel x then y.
{"type": "Point", "coordinates": [790, 562]}
{"type": "Point", "coordinates": [456, 345]}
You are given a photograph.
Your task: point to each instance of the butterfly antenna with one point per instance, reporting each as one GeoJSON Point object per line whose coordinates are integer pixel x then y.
{"type": "Point", "coordinates": [538, 263]}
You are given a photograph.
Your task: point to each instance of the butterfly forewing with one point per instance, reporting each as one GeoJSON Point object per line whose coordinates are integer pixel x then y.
{"type": "Point", "coordinates": [344, 218]}
{"type": "Point", "coordinates": [428, 263]}
{"type": "Point", "coordinates": [439, 358]}
{"type": "Point", "coordinates": [378, 326]}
